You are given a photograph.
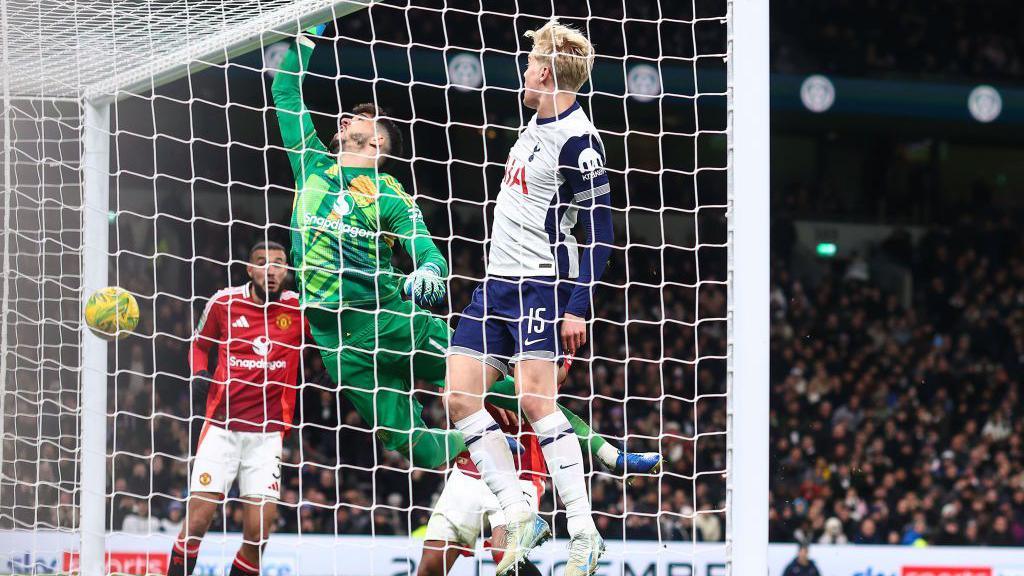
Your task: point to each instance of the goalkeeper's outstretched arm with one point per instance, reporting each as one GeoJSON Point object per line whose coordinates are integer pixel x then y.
{"type": "Point", "coordinates": [297, 131]}
{"type": "Point", "coordinates": [402, 217]}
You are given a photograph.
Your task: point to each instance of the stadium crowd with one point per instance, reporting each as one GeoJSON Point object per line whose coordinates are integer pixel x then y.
{"type": "Point", "coordinates": [936, 39]}
{"type": "Point", "coordinates": [639, 29]}
{"type": "Point", "coordinates": [896, 423]}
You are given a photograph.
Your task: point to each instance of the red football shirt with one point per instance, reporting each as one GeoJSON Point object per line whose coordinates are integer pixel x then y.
{"type": "Point", "coordinates": [531, 464]}
{"type": "Point", "coordinates": [259, 354]}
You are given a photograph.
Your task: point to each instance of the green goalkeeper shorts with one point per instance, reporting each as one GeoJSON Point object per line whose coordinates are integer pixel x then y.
{"type": "Point", "coordinates": [375, 356]}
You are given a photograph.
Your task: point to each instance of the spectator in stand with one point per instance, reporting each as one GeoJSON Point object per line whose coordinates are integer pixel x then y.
{"type": "Point", "coordinates": [868, 533]}
{"type": "Point", "coordinates": [1000, 534]}
{"type": "Point", "coordinates": [949, 533]}
{"type": "Point", "coordinates": [916, 532]}
{"type": "Point", "coordinates": [138, 520]}
{"type": "Point", "coordinates": [175, 516]}
{"type": "Point", "coordinates": [833, 532]}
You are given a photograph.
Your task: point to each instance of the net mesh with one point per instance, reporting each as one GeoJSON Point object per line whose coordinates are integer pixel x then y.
{"type": "Point", "coordinates": [198, 174]}
{"type": "Point", "coordinates": [94, 47]}
{"type": "Point", "coordinates": [38, 479]}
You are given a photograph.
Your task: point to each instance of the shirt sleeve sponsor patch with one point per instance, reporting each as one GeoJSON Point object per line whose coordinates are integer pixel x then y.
{"type": "Point", "coordinates": [590, 164]}
{"type": "Point", "coordinates": [582, 164]}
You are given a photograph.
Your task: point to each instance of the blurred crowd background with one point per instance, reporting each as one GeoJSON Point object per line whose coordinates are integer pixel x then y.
{"type": "Point", "coordinates": [897, 420]}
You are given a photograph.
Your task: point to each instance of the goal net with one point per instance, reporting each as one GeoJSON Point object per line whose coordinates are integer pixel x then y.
{"type": "Point", "coordinates": [141, 149]}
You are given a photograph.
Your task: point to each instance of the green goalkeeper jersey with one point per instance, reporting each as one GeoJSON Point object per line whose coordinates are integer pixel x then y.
{"type": "Point", "coordinates": [345, 221]}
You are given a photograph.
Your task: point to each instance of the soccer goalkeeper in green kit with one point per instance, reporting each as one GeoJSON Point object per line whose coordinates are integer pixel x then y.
{"type": "Point", "coordinates": [346, 218]}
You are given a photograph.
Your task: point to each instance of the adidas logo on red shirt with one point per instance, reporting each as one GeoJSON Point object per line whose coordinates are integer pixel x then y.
{"type": "Point", "coordinates": [240, 323]}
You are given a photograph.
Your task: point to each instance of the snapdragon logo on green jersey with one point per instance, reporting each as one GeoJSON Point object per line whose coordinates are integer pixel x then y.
{"type": "Point", "coordinates": [334, 222]}
{"type": "Point", "coordinates": [314, 221]}
{"type": "Point", "coordinates": [341, 207]}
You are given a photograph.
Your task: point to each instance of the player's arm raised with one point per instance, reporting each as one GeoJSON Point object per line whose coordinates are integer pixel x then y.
{"type": "Point", "coordinates": [293, 119]}
{"type": "Point", "coordinates": [581, 163]}
{"type": "Point", "coordinates": [402, 217]}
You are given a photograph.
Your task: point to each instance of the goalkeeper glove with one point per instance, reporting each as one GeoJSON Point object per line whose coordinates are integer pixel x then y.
{"type": "Point", "coordinates": [317, 30]}
{"type": "Point", "coordinates": [425, 285]}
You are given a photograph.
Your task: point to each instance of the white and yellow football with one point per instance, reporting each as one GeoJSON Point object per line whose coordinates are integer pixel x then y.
{"type": "Point", "coordinates": [112, 313]}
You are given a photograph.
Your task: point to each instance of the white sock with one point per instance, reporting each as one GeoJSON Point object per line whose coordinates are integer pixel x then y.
{"type": "Point", "coordinates": [490, 452]}
{"type": "Point", "coordinates": [608, 455]}
{"type": "Point", "coordinates": [565, 464]}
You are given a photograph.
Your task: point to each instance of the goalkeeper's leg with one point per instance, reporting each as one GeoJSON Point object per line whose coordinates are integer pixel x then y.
{"type": "Point", "coordinates": [385, 402]}
{"type": "Point", "coordinates": [373, 371]}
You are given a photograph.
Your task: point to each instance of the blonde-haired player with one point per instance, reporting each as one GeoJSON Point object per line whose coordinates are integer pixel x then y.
{"type": "Point", "coordinates": [567, 55]}
{"type": "Point", "coordinates": [531, 308]}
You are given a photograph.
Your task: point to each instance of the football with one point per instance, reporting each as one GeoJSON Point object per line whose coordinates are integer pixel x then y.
{"type": "Point", "coordinates": [112, 313]}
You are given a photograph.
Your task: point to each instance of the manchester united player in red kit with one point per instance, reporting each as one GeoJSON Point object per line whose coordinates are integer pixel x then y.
{"type": "Point", "coordinates": [258, 332]}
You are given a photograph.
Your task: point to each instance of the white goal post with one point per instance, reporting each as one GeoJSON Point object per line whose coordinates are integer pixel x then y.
{"type": "Point", "coordinates": [749, 209]}
{"type": "Point", "coordinates": [62, 200]}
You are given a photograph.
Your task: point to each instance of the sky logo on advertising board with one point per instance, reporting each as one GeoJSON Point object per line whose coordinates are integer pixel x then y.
{"type": "Point", "coordinates": [30, 563]}
{"type": "Point", "coordinates": [872, 572]}
{"type": "Point", "coordinates": [945, 571]}
{"type": "Point", "coordinates": [270, 566]}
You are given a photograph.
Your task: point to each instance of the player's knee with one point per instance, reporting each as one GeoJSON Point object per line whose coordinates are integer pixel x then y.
{"type": "Point", "coordinates": [461, 404]}
{"type": "Point", "coordinates": [538, 388]}
{"type": "Point", "coordinates": [201, 508]}
{"type": "Point", "coordinates": [196, 527]}
{"type": "Point", "coordinates": [257, 531]}
{"type": "Point", "coordinates": [254, 537]}
{"type": "Point", "coordinates": [456, 402]}
{"type": "Point", "coordinates": [536, 406]}
{"type": "Point", "coordinates": [429, 566]}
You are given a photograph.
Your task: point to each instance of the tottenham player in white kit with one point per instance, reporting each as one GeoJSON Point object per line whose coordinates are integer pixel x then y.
{"type": "Point", "coordinates": [532, 307]}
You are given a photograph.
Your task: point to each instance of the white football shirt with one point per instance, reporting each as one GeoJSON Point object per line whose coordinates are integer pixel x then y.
{"type": "Point", "coordinates": [556, 166]}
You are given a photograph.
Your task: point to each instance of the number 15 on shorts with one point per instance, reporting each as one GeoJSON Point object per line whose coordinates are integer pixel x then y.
{"type": "Point", "coordinates": [536, 322]}
{"type": "Point", "coordinates": [539, 333]}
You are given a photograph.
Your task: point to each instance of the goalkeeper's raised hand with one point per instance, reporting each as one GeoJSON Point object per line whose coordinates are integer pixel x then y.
{"type": "Point", "coordinates": [425, 286]}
